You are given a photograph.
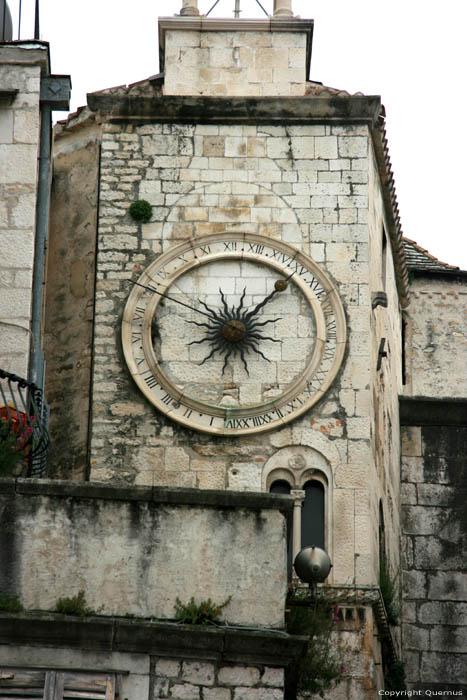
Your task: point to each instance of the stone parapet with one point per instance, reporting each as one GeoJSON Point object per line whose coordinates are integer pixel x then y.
{"type": "Point", "coordinates": [226, 645]}
{"type": "Point", "coordinates": [136, 550]}
{"type": "Point", "coordinates": [152, 659]}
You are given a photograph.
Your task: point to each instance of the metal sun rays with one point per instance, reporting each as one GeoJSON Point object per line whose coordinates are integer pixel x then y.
{"type": "Point", "coordinates": [234, 332]}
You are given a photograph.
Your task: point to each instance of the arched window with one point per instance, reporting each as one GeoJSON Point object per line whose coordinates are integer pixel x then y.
{"type": "Point", "coordinates": [309, 513]}
{"type": "Point", "coordinates": [306, 474]}
{"type": "Point", "coordinates": [312, 531]}
{"type": "Point", "coordinates": [280, 486]}
{"type": "Point", "coordinates": [283, 486]}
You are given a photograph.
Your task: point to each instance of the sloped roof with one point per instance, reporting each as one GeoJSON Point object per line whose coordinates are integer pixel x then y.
{"type": "Point", "coordinates": [419, 258]}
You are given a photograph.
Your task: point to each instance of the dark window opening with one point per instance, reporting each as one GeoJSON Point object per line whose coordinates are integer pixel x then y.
{"type": "Point", "coordinates": [283, 486]}
{"type": "Point", "coordinates": [384, 255]}
{"type": "Point", "coordinates": [381, 538]}
{"type": "Point", "coordinates": [313, 515]}
{"type": "Point", "coordinates": [403, 350]}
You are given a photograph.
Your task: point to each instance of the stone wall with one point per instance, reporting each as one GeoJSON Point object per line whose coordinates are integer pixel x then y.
{"type": "Point", "coordinates": [149, 660]}
{"type": "Point", "coordinates": [211, 58]}
{"type": "Point", "coordinates": [385, 359]}
{"type": "Point", "coordinates": [133, 551]}
{"type": "Point", "coordinates": [436, 337]}
{"type": "Point", "coordinates": [434, 528]}
{"type": "Point", "coordinates": [305, 184]}
{"type": "Point", "coordinates": [20, 71]}
{"type": "Point", "coordinates": [69, 306]}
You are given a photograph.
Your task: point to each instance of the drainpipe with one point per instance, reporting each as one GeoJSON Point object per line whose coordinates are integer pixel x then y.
{"type": "Point", "coordinates": [55, 94]}
{"type": "Point", "coordinates": [36, 361]}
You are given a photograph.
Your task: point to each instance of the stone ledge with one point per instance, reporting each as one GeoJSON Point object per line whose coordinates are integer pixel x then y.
{"type": "Point", "coordinates": [28, 53]}
{"type": "Point", "coordinates": [420, 410]}
{"type": "Point", "coordinates": [163, 495]}
{"type": "Point", "coordinates": [235, 110]}
{"type": "Point", "coordinates": [222, 644]}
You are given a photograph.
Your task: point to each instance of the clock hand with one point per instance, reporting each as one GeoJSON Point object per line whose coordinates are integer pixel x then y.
{"type": "Point", "coordinates": [166, 296]}
{"type": "Point", "coordinates": [279, 286]}
{"type": "Point", "coordinates": [230, 323]}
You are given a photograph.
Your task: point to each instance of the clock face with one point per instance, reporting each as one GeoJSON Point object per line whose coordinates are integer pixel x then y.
{"type": "Point", "coordinates": [233, 333]}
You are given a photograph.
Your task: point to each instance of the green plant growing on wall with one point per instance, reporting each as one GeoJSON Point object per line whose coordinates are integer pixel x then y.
{"type": "Point", "coordinates": [10, 603]}
{"type": "Point", "coordinates": [205, 613]}
{"type": "Point", "coordinates": [76, 605]}
{"type": "Point", "coordinates": [141, 210]}
{"type": "Point", "coordinates": [390, 592]}
{"type": "Point", "coordinates": [322, 666]}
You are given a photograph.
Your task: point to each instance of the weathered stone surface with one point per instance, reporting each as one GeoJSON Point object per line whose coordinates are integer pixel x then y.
{"type": "Point", "coordinates": [414, 584]}
{"type": "Point", "coordinates": [416, 637]}
{"type": "Point", "coordinates": [238, 675]}
{"type": "Point", "coordinates": [69, 310]}
{"type": "Point", "coordinates": [169, 668]}
{"type": "Point", "coordinates": [437, 362]}
{"type": "Point", "coordinates": [199, 673]}
{"type": "Point", "coordinates": [121, 538]}
{"type": "Point", "coordinates": [447, 613]}
{"type": "Point", "coordinates": [449, 585]}
{"type": "Point", "coordinates": [444, 668]}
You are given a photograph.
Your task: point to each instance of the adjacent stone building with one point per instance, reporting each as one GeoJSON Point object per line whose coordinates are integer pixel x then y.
{"type": "Point", "coordinates": [434, 479]}
{"type": "Point", "coordinates": [279, 420]}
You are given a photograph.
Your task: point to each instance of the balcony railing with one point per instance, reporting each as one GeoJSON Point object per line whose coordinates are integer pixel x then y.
{"type": "Point", "coordinates": [24, 438]}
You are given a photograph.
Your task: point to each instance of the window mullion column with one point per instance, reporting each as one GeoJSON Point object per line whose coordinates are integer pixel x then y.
{"type": "Point", "coordinates": [299, 496]}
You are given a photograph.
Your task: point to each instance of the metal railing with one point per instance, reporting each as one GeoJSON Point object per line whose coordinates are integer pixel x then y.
{"type": "Point", "coordinates": [23, 426]}
{"type": "Point", "coordinates": [237, 10]}
{"type": "Point", "coordinates": [19, 20]}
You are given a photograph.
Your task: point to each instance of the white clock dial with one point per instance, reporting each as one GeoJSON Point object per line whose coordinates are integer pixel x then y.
{"type": "Point", "coordinates": [233, 333]}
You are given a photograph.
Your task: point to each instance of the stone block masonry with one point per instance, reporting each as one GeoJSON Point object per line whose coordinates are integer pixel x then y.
{"type": "Point", "coordinates": [152, 660]}
{"type": "Point", "coordinates": [189, 680]}
{"type": "Point", "coordinates": [305, 184]}
{"type": "Point", "coordinates": [204, 179]}
{"type": "Point", "coordinates": [434, 526]}
{"type": "Point", "coordinates": [437, 360]}
{"type": "Point", "coordinates": [220, 57]}
{"type": "Point", "coordinates": [19, 138]}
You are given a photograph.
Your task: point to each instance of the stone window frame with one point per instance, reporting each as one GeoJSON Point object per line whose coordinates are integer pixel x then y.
{"type": "Point", "coordinates": [297, 483]}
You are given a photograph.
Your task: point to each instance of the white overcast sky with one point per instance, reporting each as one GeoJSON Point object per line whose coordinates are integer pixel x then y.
{"type": "Point", "coordinates": [411, 52]}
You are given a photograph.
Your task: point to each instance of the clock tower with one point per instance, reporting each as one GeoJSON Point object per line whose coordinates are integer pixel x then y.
{"type": "Point", "coordinates": [247, 327]}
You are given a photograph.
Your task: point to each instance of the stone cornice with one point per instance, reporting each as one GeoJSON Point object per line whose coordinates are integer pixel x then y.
{"type": "Point", "coordinates": [356, 109]}
{"type": "Point", "coordinates": [420, 411]}
{"type": "Point", "coordinates": [218, 24]}
{"type": "Point", "coordinates": [222, 644]}
{"type": "Point", "coordinates": [26, 53]}
{"type": "Point", "coordinates": [161, 495]}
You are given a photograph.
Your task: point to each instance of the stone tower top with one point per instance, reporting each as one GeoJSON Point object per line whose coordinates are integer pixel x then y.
{"type": "Point", "coordinates": [235, 57]}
